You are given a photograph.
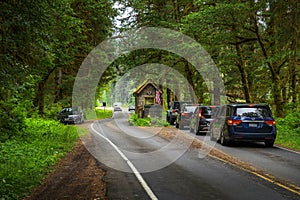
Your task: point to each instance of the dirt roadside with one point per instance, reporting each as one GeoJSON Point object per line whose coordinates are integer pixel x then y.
{"type": "Point", "coordinates": [77, 176]}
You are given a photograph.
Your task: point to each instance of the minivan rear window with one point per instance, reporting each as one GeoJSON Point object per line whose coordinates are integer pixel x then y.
{"type": "Point", "coordinates": [259, 112]}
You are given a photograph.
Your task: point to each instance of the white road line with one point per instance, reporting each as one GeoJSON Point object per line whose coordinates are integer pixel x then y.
{"type": "Point", "coordinates": [292, 151]}
{"type": "Point", "coordinates": [132, 167]}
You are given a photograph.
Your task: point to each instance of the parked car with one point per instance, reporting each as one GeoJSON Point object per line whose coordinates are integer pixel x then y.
{"type": "Point", "coordinates": [71, 115]}
{"type": "Point", "coordinates": [131, 108]}
{"type": "Point", "coordinates": [200, 120]}
{"type": "Point", "coordinates": [174, 110]}
{"type": "Point", "coordinates": [244, 122]}
{"type": "Point", "coordinates": [184, 117]}
{"type": "Point", "coordinates": [117, 108]}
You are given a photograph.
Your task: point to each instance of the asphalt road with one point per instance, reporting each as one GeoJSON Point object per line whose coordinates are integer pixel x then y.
{"type": "Point", "coordinates": [277, 161]}
{"type": "Point", "coordinates": [165, 169]}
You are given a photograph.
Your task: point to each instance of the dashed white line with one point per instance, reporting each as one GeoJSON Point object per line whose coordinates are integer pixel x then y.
{"type": "Point", "coordinates": [132, 167]}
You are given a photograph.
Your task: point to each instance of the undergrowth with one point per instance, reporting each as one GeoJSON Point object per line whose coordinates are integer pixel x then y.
{"type": "Point", "coordinates": [288, 131]}
{"type": "Point", "coordinates": [27, 158]}
{"type": "Point", "coordinates": [136, 121]}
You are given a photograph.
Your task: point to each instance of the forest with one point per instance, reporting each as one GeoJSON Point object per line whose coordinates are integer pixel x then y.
{"type": "Point", "coordinates": [254, 44]}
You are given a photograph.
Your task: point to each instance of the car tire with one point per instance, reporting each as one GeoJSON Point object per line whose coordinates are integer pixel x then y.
{"type": "Point", "coordinates": [176, 125]}
{"type": "Point", "coordinates": [196, 130]}
{"type": "Point", "coordinates": [223, 140]}
{"type": "Point", "coordinates": [172, 121]}
{"type": "Point", "coordinates": [269, 143]}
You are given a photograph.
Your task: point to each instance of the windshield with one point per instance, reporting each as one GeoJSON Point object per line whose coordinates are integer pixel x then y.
{"type": "Point", "coordinates": [70, 111]}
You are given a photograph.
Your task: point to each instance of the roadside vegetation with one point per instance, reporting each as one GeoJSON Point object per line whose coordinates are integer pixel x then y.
{"type": "Point", "coordinates": [98, 114]}
{"type": "Point", "coordinates": [43, 44]}
{"type": "Point", "coordinates": [288, 131]}
{"type": "Point", "coordinates": [28, 157]}
{"type": "Point", "coordinates": [134, 120]}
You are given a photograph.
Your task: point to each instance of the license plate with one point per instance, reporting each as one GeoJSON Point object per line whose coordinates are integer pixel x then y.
{"type": "Point", "coordinates": [253, 125]}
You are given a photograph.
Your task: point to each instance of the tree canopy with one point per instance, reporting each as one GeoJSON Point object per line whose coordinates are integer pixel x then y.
{"type": "Point", "coordinates": [43, 43]}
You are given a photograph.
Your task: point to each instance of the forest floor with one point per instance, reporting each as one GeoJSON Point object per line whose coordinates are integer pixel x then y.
{"type": "Point", "coordinates": [77, 176]}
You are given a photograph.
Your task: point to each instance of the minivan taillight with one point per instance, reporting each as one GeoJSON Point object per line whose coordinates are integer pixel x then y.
{"type": "Point", "coordinates": [234, 122]}
{"type": "Point", "coordinates": [200, 114]}
{"type": "Point", "coordinates": [270, 122]}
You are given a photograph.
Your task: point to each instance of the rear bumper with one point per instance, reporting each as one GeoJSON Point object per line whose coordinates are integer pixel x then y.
{"type": "Point", "coordinates": [251, 137]}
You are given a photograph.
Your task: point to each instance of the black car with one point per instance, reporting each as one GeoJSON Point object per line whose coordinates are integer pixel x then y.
{"type": "Point", "coordinates": [184, 117]}
{"type": "Point", "coordinates": [71, 115]}
{"type": "Point", "coordinates": [244, 122]}
{"type": "Point", "coordinates": [200, 120]}
{"type": "Point", "coordinates": [174, 110]}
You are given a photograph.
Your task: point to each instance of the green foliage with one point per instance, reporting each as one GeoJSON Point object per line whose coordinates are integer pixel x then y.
{"type": "Point", "coordinates": [97, 114]}
{"type": "Point", "coordinates": [25, 160]}
{"type": "Point", "coordinates": [11, 120]}
{"type": "Point", "coordinates": [136, 121]}
{"type": "Point", "coordinates": [288, 131]}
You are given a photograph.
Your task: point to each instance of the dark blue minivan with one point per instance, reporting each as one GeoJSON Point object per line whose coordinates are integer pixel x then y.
{"type": "Point", "coordinates": [243, 122]}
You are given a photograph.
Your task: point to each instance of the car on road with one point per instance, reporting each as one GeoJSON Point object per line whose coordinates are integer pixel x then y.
{"type": "Point", "coordinates": [117, 108]}
{"type": "Point", "coordinates": [131, 108]}
{"type": "Point", "coordinates": [244, 122]}
{"type": "Point", "coordinates": [184, 117]}
{"type": "Point", "coordinates": [174, 110]}
{"type": "Point", "coordinates": [200, 120]}
{"type": "Point", "coordinates": [71, 115]}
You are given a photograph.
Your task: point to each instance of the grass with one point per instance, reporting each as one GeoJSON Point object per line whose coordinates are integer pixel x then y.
{"type": "Point", "coordinates": [288, 131]}
{"type": "Point", "coordinates": [98, 114]}
{"type": "Point", "coordinates": [26, 159]}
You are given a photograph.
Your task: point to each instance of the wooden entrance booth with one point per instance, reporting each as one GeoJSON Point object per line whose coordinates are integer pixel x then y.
{"type": "Point", "coordinates": [147, 96]}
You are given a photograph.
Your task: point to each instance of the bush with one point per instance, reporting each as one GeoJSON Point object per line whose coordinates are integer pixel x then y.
{"type": "Point", "coordinates": [288, 131]}
{"type": "Point", "coordinates": [11, 120]}
{"type": "Point", "coordinates": [25, 160]}
{"type": "Point", "coordinates": [134, 120]}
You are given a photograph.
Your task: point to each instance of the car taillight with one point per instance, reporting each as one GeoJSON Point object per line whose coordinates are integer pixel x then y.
{"type": "Point", "coordinates": [173, 111]}
{"type": "Point", "coordinates": [184, 114]}
{"type": "Point", "coordinates": [234, 122]}
{"type": "Point", "coordinates": [200, 115]}
{"type": "Point", "coordinates": [270, 122]}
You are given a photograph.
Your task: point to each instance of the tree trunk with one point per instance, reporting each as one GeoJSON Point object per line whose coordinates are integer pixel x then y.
{"type": "Point", "coordinates": [277, 94]}
{"type": "Point", "coordinates": [189, 77]}
{"type": "Point", "coordinates": [39, 101]}
{"type": "Point", "coordinates": [58, 90]}
{"type": "Point", "coordinates": [275, 71]}
{"type": "Point", "coordinates": [242, 68]}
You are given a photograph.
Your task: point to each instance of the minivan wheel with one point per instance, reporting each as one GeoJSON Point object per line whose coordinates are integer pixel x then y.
{"type": "Point", "coordinates": [223, 141]}
{"type": "Point", "coordinates": [196, 130]}
{"type": "Point", "coordinates": [269, 143]}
